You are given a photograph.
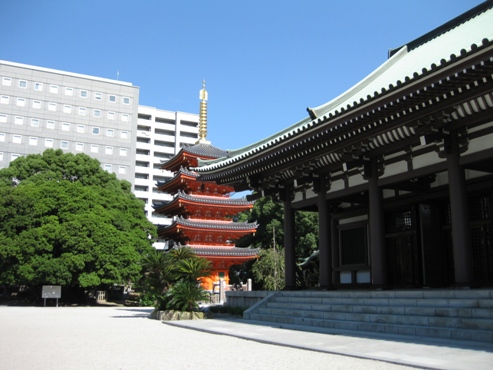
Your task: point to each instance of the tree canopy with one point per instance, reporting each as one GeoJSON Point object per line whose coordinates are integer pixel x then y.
{"type": "Point", "coordinates": [270, 215]}
{"type": "Point", "coordinates": [66, 221]}
{"type": "Point", "coordinates": [268, 270]}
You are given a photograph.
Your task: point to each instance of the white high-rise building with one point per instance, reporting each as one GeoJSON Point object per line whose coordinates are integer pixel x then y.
{"type": "Point", "coordinates": [43, 108]}
{"type": "Point", "coordinates": [160, 135]}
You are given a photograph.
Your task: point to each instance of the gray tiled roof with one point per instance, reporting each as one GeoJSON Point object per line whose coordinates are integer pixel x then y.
{"type": "Point", "coordinates": [214, 199]}
{"type": "Point", "coordinates": [403, 67]}
{"type": "Point", "coordinates": [206, 150]}
{"type": "Point", "coordinates": [215, 225]}
{"type": "Point", "coordinates": [221, 250]}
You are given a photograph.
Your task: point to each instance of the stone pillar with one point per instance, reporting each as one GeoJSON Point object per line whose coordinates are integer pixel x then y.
{"type": "Point", "coordinates": [459, 210]}
{"type": "Point", "coordinates": [324, 245]}
{"type": "Point", "coordinates": [289, 252]}
{"type": "Point", "coordinates": [377, 228]}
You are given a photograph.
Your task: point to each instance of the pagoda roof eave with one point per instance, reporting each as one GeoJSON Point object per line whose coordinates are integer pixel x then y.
{"type": "Point", "coordinates": [222, 251]}
{"type": "Point", "coordinates": [176, 180]}
{"type": "Point", "coordinates": [232, 227]}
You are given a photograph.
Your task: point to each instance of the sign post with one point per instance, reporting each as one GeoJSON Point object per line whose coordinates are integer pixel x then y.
{"type": "Point", "coordinates": [51, 291]}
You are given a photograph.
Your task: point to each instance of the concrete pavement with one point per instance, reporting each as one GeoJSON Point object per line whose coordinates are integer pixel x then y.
{"type": "Point", "coordinates": [76, 338]}
{"type": "Point", "coordinates": [426, 353]}
{"type": "Point", "coordinates": [125, 338]}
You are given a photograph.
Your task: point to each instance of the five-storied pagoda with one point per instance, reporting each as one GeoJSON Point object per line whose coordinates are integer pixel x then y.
{"type": "Point", "coordinates": [203, 212]}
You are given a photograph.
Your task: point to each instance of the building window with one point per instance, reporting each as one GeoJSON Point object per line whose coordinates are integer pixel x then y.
{"type": "Point", "coordinates": [17, 139]}
{"type": "Point", "coordinates": [98, 96]}
{"type": "Point", "coordinates": [22, 84]}
{"type": "Point", "coordinates": [82, 111]}
{"type": "Point", "coordinates": [123, 152]}
{"type": "Point", "coordinates": [21, 102]}
{"type": "Point", "coordinates": [108, 150]}
{"type": "Point", "coordinates": [79, 147]}
{"type": "Point", "coordinates": [83, 93]}
{"type": "Point", "coordinates": [94, 148]}
{"type": "Point", "coordinates": [81, 128]}
{"type": "Point", "coordinates": [52, 107]}
{"type": "Point", "coordinates": [54, 89]}
{"type": "Point", "coordinates": [124, 134]}
{"type": "Point", "coordinates": [96, 113]}
{"type": "Point", "coordinates": [67, 109]}
{"type": "Point", "coordinates": [69, 91]}
{"type": "Point", "coordinates": [110, 115]}
{"type": "Point", "coordinates": [112, 98]}
{"type": "Point", "coordinates": [65, 126]}
{"type": "Point", "coordinates": [36, 104]}
{"type": "Point", "coordinates": [2, 136]}
{"type": "Point", "coordinates": [38, 86]}
{"type": "Point", "coordinates": [122, 170]}
{"type": "Point", "coordinates": [63, 144]}
{"type": "Point", "coordinates": [13, 157]}
{"type": "Point", "coordinates": [126, 100]}
{"type": "Point", "coordinates": [125, 117]}
{"type": "Point", "coordinates": [33, 140]}
{"type": "Point", "coordinates": [110, 132]}
{"type": "Point", "coordinates": [3, 118]}
{"type": "Point", "coordinates": [19, 120]}
{"type": "Point", "coordinates": [50, 124]}
{"type": "Point", "coordinates": [1, 156]}
{"type": "Point", "coordinates": [95, 130]}
{"type": "Point", "coordinates": [108, 167]}
{"type": "Point", "coordinates": [49, 143]}
{"type": "Point", "coordinates": [7, 81]}
{"type": "Point", "coordinates": [4, 99]}
{"type": "Point", "coordinates": [34, 122]}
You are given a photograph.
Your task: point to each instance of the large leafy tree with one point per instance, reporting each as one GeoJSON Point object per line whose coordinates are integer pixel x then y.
{"type": "Point", "coordinates": [66, 221]}
{"type": "Point", "coordinates": [270, 216]}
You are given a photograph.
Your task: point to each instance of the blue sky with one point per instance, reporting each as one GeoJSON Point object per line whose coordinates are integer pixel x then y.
{"type": "Point", "coordinates": [264, 61]}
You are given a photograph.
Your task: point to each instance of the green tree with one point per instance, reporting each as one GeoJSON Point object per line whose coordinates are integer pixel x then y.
{"type": "Point", "coordinates": [66, 221]}
{"type": "Point", "coordinates": [174, 278]}
{"type": "Point", "coordinates": [269, 269]}
{"type": "Point", "coordinates": [270, 216]}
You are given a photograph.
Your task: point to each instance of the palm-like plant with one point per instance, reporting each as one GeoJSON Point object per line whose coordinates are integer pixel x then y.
{"type": "Point", "coordinates": [174, 276]}
{"type": "Point", "coordinates": [194, 268]}
{"type": "Point", "coordinates": [185, 296]}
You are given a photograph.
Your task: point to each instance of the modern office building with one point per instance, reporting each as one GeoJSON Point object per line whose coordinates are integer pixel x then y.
{"type": "Point", "coordinates": [43, 108]}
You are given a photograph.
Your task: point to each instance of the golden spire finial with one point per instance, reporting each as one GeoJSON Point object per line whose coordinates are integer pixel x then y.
{"type": "Point", "coordinates": [203, 115]}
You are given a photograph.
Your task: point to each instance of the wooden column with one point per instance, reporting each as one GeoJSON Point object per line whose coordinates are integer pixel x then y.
{"type": "Point", "coordinates": [289, 252]}
{"type": "Point", "coordinates": [377, 228]}
{"type": "Point", "coordinates": [324, 245]}
{"type": "Point", "coordinates": [334, 242]}
{"type": "Point", "coordinates": [459, 210]}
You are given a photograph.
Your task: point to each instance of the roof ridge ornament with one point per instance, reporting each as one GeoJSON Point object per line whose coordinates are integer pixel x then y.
{"type": "Point", "coordinates": [203, 116]}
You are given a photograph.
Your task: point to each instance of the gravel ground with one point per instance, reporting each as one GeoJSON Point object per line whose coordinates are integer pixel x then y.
{"type": "Point", "coordinates": [125, 338]}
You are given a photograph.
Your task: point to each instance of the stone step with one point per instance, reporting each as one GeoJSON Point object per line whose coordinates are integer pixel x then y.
{"type": "Point", "coordinates": [450, 314]}
{"type": "Point", "coordinates": [405, 319]}
{"type": "Point", "coordinates": [468, 331]}
{"type": "Point", "coordinates": [387, 310]}
{"type": "Point", "coordinates": [396, 302]}
{"type": "Point", "coordinates": [414, 294]}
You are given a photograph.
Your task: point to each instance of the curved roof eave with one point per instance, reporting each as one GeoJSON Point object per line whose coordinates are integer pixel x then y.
{"type": "Point", "coordinates": [401, 68]}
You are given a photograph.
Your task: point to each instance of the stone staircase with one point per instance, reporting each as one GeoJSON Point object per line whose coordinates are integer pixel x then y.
{"type": "Point", "coordinates": [455, 314]}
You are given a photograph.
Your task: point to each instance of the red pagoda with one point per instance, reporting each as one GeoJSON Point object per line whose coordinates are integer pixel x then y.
{"type": "Point", "coordinates": [202, 212]}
